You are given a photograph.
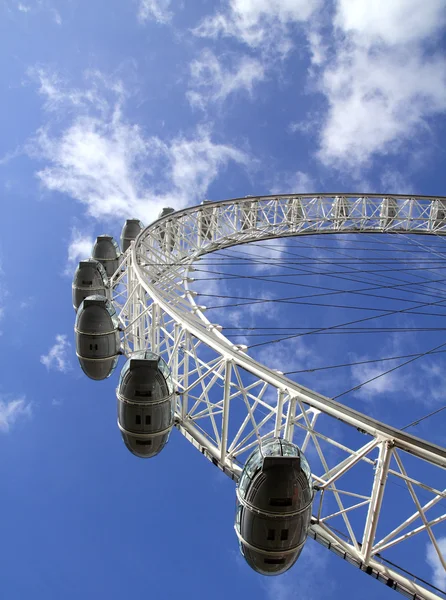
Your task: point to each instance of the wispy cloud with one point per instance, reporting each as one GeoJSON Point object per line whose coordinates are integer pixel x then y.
{"type": "Point", "coordinates": [396, 182]}
{"type": "Point", "coordinates": [389, 384]}
{"type": "Point", "coordinates": [57, 93]}
{"type": "Point", "coordinates": [57, 357]}
{"type": "Point", "coordinates": [80, 247]}
{"type": "Point", "coordinates": [40, 6]}
{"type": "Point", "coordinates": [422, 380]}
{"type": "Point", "coordinates": [156, 10]}
{"type": "Point", "coordinates": [265, 24]}
{"type": "Point", "coordinates": [287, 356]}
{"type": "Point", "coordinates": [297, 183]}
{"type": "Point", "coordinates": [3, 294]}
{"type": "Point", "coordinates": [439, 574]}
{"type": "Point", "coordinates": [213, 80]}
{"type": "Point", "coordinates": [381, 85]}
{"type": "Point", "coordinates": [300, 580]}
{"type": "Point", "coordinates": [12, 410]}
{"type": "Point", "coordinates": [111, 166]}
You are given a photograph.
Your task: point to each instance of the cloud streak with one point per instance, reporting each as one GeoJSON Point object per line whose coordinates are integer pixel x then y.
{"type": "Point", "coordinates": [11, 411]}
{"type": "Point", "coordinates": [80, 247]}
{"type": "Point", "coordinates": [214, 81]}
{"type": "Point", "coordinates": [154, 10]}
{"type": "Point", "coordinates": [57, 357]}
{"type": "Point", "coordinates": [439, 574]}
{"type": "Point", "coordinates": [264, 24]}
{"type": "Point", "coordinates": [381, 85]}
{"type": "Point", "coordinates": [111, 166]}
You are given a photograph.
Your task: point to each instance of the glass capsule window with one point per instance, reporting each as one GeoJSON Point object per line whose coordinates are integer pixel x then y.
{"type": "Point", "coordinates": [101, 269]}
{"type": "Point", "coordinates": [271, 447]}
{"type": "Point", "coordinates": [115, 244]}
{"type": "Point", "coordinates": [306, 468]}
{"type": "Point", "coordinates": [162, 366]}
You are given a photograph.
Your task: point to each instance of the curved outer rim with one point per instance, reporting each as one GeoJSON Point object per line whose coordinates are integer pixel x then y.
{"type": "Point", "coordinates": [218, 342]}
{"type": "Point", "coordinates": [197, 324]}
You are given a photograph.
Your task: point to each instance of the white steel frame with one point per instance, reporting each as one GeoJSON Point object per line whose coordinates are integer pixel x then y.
{"type": "Point", "coordinates": [157, 309]}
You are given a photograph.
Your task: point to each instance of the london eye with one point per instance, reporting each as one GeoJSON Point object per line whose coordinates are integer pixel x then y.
{"type": "Point", "coordinates": [306, 464]}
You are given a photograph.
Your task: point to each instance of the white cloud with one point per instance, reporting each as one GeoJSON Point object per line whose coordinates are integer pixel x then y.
{"type": "Point", "coordinates": [260, 24]}
{"type": "Point", "coordinates": [80, 248]}
{"type": "Point", "coordinates": [435, 564]}
{"type": "Point", "coordinates": [3, 294]}
{"type": "Point", "coordinates": [40, 6]}
{"type": "Point", "coordinates": [59, 95]}
{"type": "Point", "coordinates": [6, 158]}
{"type": "Point", "coordinates": [57, 357]}
{"type": "Point", "coordinates": [11, 410]}
{"type": "Point", "coordinates": [422, 380]}
{"type": "Point", "coordinates": [396, 22]}
{"type": "Point", "coordinates": [297, 183]}
{"type": "Point", "coordinates": [111, 166]}
{"type": "Point", "coordinates": [28, 303]}
{"type": "Point", "coordinates": [286, 356]}
{"type": "Point", "coordinates": [212, 81]}
{"type": "Point", "coordinates": [57, 18]}
{"type": "Point", "coordinates": [394, 182]}
{"type": "Point", "coordinates": [382, 86]}
{"type": "Point", "coordinates": [393, 382]}
{"type": "Point", "coordinates": [300, 580]}
{"type": "Point", "coordinates": [157, 10]}
{"type": "Point", "coordinates": [431, 389]}
{"type": "Point", "coordinates": [318, 48]}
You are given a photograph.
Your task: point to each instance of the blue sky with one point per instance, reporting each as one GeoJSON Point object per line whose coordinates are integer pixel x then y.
{"type": "Point", "coordinates": [111, 110]}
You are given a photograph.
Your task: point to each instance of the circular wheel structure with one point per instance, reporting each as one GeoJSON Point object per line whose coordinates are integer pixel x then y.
{"type": "Point", "coordinates": [227, 402]}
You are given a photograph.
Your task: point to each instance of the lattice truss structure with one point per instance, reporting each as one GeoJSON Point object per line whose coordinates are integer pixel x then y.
{"type": "Point", "coordinates": [367, 499]}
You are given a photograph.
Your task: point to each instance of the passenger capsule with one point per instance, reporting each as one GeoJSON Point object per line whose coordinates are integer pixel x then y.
{"type": "Point", "coordinates": [341, 210]}
{"type": "Point", "coordinates": [206, 221]}
{"type": "Point", "coordinates": [130, 232]}
{"type": "Point", "coordinates": [294, 212]}
{"type": "Point", "coordinates": [388, 212]}
{"type": "Point", "coordinates": [97, 337]}
{"type": "Point", "coordinates": [274, 496]}
{"type": "Point", "coordinates": [438, 213]}
{"type": "Point", "coordinates": [167, 210]}
{"type": "Point", "coordinates": [106, 251]}
{"type": "Point", "coordinates": [167, 230]}
{"type": "Point", "coordinates": [145, 403]}
{"type": "Point", "coordinates": [89, 279]}
{"type": "Point", "coordinates": [248, 215]}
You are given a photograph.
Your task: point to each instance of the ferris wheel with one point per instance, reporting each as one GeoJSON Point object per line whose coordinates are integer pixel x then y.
{"type": "Point", "coordinates": [304, 463]}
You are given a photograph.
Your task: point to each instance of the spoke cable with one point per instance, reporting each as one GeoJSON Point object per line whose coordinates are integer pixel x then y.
{"type": "Point", "coordinates": [365, 362]}
{"type": "Point", "coordinates": [423, 418]}
{"type": "Point", "coordinates": [357, 387]}
{"type": "Point", "coordinates": [354, 322]}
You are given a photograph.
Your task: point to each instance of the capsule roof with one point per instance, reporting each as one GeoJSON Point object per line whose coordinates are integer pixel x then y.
{"type": "Point", "coordinates": [143, 357]}
{"type": "Point", "coordinates": [89, 278]}
{"type": "Point", "coordinates": [100, 302]}
{"type": "Point", "coordinates": [106, 246]}
{"type": "Point", "coordinates": [274, 447]}
{"type": "Point", "coordinates": [167, 210]}
{"type": "Point", "coordinates": [92, 263]}
{"type": "Point", "coordinates": [106, 251]}
{"type": "Point", "coordinates": [130, 231]}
